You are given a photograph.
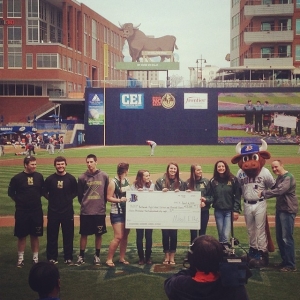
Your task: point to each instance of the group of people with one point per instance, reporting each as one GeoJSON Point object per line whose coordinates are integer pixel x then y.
{"type": "Point", "coordinates": [51, 143]}
{"type": "Point", "coordinates": [93, 188]}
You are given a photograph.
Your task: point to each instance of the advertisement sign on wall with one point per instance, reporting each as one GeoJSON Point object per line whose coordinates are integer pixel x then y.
{"type": "Point", "coordinates": [96, 109]}
{"type": "Point", "coordinates": [132, 101]}
{"type": "Point", "coordinates": [195, 100]}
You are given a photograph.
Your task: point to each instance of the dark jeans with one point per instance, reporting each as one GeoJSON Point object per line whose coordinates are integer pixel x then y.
{"type": "Point", "coordinates": [139, 242]}
{"type": "Point", "coordinates": [284, 236]}
{"type": "Point", "coordinates": [203, 225]}
{"type": "Point", "coordinates": [169, 240]}
{"type": "Point", "coordinates": [67, 227]}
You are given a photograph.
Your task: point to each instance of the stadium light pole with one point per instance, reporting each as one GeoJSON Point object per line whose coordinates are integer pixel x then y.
{"type": "Point", "coordinates": [202, 60]}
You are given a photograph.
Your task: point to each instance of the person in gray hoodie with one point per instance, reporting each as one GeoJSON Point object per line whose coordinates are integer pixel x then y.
{"type": "Point", "coordinates": [286, 209]}
{"type": "Point", "coordinates": [92, 196]}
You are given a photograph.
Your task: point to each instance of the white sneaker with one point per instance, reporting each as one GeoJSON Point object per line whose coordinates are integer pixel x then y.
{"type": "Point", "coordinates": [96, 260]}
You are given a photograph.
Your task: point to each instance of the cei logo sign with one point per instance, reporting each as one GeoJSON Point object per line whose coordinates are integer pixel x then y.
{"type": "Point", "coordinates": [132, 101]}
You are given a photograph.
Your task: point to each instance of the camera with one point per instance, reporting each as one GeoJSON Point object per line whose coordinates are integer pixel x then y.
{"type": "Point", "coordinates": [234, 270]}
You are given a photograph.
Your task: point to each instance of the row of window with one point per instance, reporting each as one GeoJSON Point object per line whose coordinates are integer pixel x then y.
{"type": "Point", "coordinates": [14, 8]}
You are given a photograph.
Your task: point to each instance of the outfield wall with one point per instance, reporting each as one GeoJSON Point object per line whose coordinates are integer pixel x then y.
{"type": "Point", "coordinates": [135, 115]}
{"type": "Point", "coordinates": [169, 116]}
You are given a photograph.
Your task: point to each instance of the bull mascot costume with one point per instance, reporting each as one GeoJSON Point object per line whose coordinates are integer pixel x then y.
{"type": "Point", "coordinates": [253, 177]}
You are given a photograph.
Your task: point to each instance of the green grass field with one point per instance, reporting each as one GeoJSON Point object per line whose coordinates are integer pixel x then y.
{"type": "Point", "coordinates": [134, 282]}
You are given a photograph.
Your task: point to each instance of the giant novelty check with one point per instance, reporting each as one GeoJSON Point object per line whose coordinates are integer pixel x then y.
{"type": "Point", "coordinates": [163, 210]}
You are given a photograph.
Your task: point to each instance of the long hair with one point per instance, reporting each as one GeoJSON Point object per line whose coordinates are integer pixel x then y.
{"type": "Point", "coordinates": [139, 182]}
{"type": "Point", "coordinates": [192, 179]}
{"type": "Point", "coordinates": [227, 174]}
{"type": "Point", "coordinates": [176, 179]}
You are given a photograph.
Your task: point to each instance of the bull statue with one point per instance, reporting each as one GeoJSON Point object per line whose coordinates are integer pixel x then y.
{"type": "Point", "coordinates": [138, 42]}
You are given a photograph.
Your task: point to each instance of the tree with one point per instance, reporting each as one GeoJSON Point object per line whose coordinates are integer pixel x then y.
{"type": "Point", "coordinates": [175, 80]}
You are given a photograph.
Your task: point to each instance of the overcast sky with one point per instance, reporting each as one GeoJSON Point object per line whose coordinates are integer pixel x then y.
{"type": "Point", "coordinates": [201, 27]}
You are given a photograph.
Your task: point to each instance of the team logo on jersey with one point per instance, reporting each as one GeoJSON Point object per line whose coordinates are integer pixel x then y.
{"type": "Point", "coordinates": [93, 193]}
{"type": "Point", "coordinates": [60, 184]}
{"type": "Point", "coordinates": [168, 101]}
{"type": "Point", "coordinates": [30, 180]}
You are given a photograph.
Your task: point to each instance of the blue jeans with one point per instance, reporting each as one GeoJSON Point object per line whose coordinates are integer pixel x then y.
{"type": "Point", "coordinates": [284, 236]}
{"type": "Point", "coordinates": [204, 221]}
{"type": "Point", "coordinates": [223, 220]}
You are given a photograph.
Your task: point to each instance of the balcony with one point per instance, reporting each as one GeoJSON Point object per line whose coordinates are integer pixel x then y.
{"type": "Point", "coordinates": [269, 61]}
{"type": "Point", "coordinates": [268, 37]}
{"type": "Point", "coordinates": [269, 10]}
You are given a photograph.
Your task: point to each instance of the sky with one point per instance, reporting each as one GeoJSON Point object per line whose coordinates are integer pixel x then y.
{"type": "Point", "coordinates": [201, 27]}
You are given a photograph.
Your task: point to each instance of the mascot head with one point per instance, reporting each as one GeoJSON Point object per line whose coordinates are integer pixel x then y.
{"type": "Point", "coordinates": [251, 158]}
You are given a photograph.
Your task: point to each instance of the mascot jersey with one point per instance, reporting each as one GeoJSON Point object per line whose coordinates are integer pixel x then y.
{"type": "Point", "coordinates": [250, 186]}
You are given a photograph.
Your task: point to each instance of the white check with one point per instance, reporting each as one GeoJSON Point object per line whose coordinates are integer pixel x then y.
{"type": "Point", "coordinates": [163, 210]}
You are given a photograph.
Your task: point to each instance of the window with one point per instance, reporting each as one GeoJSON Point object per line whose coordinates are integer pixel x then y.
{"type": "Point", "coordinates": [285, 24]}
{"type": "Point", "coordinates": [79, 71]}
{"type": "Point", "coordinates": [86, 71]}
{"type": "Point", "coordinates": [33, 31]}
{"type": "Point", "coordinates": [297, 3]}
{"type": "Point", "coordinates": [50, 60]}
{"type": "Point", "coordinates": [267, 52]}
{"type": "Point", "coordinates": [14, 8]}
{"type": "Point", "coordinates": [29, 61]}
{"type": "Point", "coordinates": [1, 8]}
{"type": "Point", "coordinates": [297, 50]}
{"type": "Point", "coordinates": [33, 6]}
{"type": "Point", "coordinates": [234, 2]}
{"type": "Point", "coordinates": [14, 57]}
{"type": "Point", "coordinates": [236, 20]}
{"type": "Point", "coordinates": [235, 42]}
{"type": "Point", "coordinates": [1, 35]}
{"type": "Point", "coordinates": [267, 2]}
{"type": "Point", "coordinates": [267, 26]}
{"type": "Point", "coordinates": [94, 39]}
{"type": "Point", "coordinates": [64, 63]}
{"type": "Point", "coordinates": [284, 51]}
{"type": "Point", "coordinates": [14, 35]}
{"type": "Point", "coordinates": [297, 26]}
{"type": "Point", "coordinates": [1, 57]}
{"type": "Point", "coordinates": [70, 64]}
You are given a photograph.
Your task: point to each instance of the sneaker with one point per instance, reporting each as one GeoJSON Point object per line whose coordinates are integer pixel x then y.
{"type": "Point", "coordinates": [53, 261]}
{"type": "Point", "coordinates": [35, 261]}
{"type": "Point", "coordinates": [288, 269]}
{"type": "Point", "coordinates": [20, 264]}
{"type": "Point", "coordinates": [96, 260]}
{"type": "Point", "coordinates": [69, 262]}
{"type": "Point", "coordinates": [80, 261]}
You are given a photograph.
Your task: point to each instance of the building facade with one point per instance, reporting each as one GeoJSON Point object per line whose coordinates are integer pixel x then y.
{"type": "Point", "coordinates": [52, 49]}
{"type": "Point", "coordinates": [265, 39]}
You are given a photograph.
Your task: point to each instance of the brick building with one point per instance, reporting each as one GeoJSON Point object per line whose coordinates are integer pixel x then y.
{"type": "Point", "coordinates": [52, 49]}
{"type": "Point", "coordinates": [265, 39]}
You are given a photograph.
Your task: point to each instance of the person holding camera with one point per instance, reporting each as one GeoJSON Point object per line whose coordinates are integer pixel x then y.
{"type": "Point", "coordinates": [203, 280]}
{"type": "Point", "coordinates": [44, 279]}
